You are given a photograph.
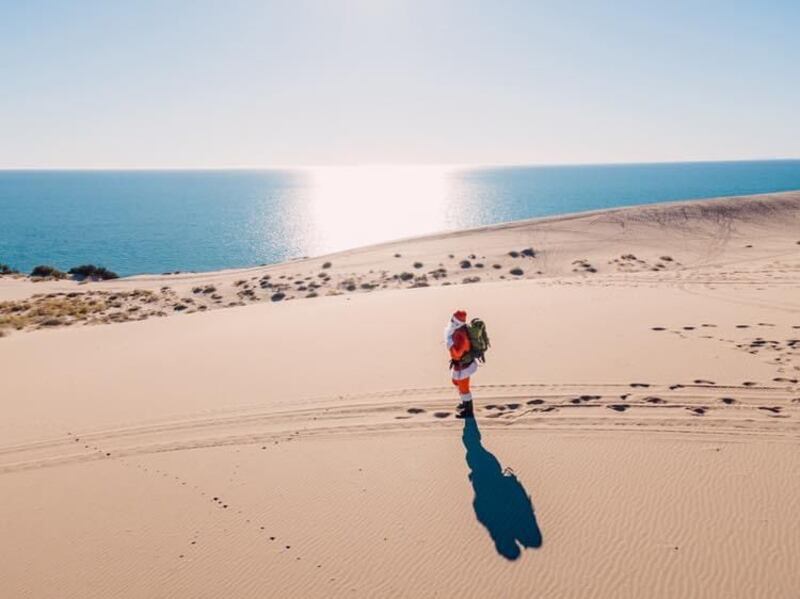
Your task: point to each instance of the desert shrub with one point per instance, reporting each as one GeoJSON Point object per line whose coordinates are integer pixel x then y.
{"type": "Point", "coordinates": [528, 252]}
{"type": "Point", "coordinates": [417, 264]}
{"type": "Point", "coordinates": [327, 265]}
{"type": "Point", "coordinates": [513, 254]}
{"type": "Point", "coordinates": [465, 264]}
{"type": "Point", "coordinates": [406, 276]}
{"type": "Point", "coordinates": [517, 272]}
{"type": "Point", "coordinates": [5, 269]}
{"type": "Point", "coordinates": [276, 297]}
{"type": "Point", "coordinates": [90, 271]}
{"type": "Point", "coordinates": [47, 271]}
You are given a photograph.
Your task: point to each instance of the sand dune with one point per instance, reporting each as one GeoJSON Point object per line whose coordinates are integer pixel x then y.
{"type": "Point", "coordinates": [635, 435]}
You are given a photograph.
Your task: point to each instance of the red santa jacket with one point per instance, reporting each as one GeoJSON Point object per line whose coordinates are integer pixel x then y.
{"type": "Point", "coordinates": [461, 345]}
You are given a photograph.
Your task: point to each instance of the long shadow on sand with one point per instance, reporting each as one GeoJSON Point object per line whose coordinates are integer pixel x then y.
{"type": "Point", "coordinates": [501, 503]}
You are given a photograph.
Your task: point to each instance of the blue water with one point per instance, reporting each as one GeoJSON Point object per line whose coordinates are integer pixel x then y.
{"type": "Point", "coordinates": [160, 221]}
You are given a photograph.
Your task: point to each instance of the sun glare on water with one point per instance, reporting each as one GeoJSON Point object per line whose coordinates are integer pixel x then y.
{"type": "Point", "coordinates": [361, 205]}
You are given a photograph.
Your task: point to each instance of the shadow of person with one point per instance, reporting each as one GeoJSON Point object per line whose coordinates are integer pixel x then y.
{"type": "Point", "coordinates": [501, 503]}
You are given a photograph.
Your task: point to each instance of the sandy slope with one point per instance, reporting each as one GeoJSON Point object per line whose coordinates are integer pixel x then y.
{"type": "Point", "coordinates": [309, 448]}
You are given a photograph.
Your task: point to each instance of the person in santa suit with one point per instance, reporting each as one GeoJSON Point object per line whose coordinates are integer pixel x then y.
{"type": "Point", "coordinates": [462, 363]}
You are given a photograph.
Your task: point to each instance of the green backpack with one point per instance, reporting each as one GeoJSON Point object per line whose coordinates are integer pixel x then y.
{"type": "Point", "coordinates": [479, 340]}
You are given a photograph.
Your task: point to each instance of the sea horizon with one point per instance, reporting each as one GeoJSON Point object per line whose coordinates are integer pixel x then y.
{"type": "Point", "coordinates": [150, 221]}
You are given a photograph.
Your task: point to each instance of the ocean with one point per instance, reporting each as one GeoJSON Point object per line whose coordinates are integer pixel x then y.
{"type": "Point", "coordinates": [136, 222]}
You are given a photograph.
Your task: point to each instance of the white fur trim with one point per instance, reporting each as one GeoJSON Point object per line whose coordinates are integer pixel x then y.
{"type": "Point", "coordinates": [460, 375]}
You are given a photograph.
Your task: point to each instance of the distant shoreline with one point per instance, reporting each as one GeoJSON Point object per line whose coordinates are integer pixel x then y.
{"type": "Point", "coordinates": [441, 236]}
{"type": "Point", "coordinates": [139, 222]}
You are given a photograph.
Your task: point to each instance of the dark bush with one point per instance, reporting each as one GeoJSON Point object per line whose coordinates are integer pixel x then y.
{"type": "Point", "coordinates": [5, 269]}
{"type": "Point", "coordinates": [465, 264]}
{"type": "Point", "coordinates": [418, 265]}
{"type": "Point", "coordinates": [47, 271]}
{"type": "Point", "coordinates": [528, 252]}
{"type": "Point", "coordinates": [405, 276]}
{"type": "Point", "coordinates": [517, 272]}
{"type": "Point", "coordinates": [90, 271]}
{"type": "Point", "coordinates": [327, 265]}
{"type": "Point", "coordinates": [513, 254]}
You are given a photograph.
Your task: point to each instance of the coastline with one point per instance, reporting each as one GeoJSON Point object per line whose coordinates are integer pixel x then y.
{"type": "Point", "coordinates": [649, 413]}
{"type": "Point", "coordinates": [387, 265]}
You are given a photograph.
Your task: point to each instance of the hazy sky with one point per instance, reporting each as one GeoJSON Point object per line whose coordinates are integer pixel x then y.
{"type": "Point", "coordinates": [227, 83]}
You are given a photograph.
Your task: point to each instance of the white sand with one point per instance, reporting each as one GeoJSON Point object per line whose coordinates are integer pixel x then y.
{"type": "Point", "coordinates": [116, 438]}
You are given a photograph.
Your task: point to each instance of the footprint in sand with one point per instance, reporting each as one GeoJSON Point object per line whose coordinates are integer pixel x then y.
{"type": "Point", "coordinates": [652, 399]}
{"type": "Point", "coordinates": [688, 328]}
{"type": "Point", "coordinates": [703, 382]}
{"type": "Point", "coordinates": [727, 400]}
{"type": "Point", "coordinates": [640, 384]}
{"type": "Point", "coordinates": [441, 414]}
{"type": "Point", "coordinates": [699, 410]}
{"type": "Point", "coordinates": [749, 384]}
{"type": "Point", "coordinates": [415, 410]}
{"type": "Point", "coordinates": [658, 329]}
{"type": "Point", "coordinates": [619, 407]}
{"type": "Point", "coordinates": [742, 326]}
{"type": "Point", "coordinates": [534, 402]}
{"type": "Point", "coordinates": [773, 409]}
{"type": "Point", "coordinates": [625, 396]}
{"type": "Point", "coordinates": [675, 386]}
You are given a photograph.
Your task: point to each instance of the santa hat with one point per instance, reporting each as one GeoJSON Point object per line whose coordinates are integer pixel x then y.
{"type": "Point", "coordinates": [460, 315]}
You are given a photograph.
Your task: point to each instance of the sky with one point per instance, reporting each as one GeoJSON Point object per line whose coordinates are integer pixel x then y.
{"type": "Point", "coordinates": [199, 84]}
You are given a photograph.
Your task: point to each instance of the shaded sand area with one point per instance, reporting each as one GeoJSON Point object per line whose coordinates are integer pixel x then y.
{"type": "Point", "coordinates": [636, 435]}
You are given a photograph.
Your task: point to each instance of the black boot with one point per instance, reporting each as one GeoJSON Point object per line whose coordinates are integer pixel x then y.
{"type": "Point", "coordinates": [465, 410]}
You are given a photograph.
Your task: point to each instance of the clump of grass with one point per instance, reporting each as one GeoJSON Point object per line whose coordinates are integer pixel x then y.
{"type": "Point", "coordinates": [90, 271]}
{"type": "Point", "coordinates": [465, 264]}
{"type": "Point", "coordinates": [405, 276]}
{"type": "Point", "coordinates": [43, 271]}
{"type": "Point", "coordinates": [44, 310]}
{"type": "Point", "coordinates": [418, 264]}
{"type": "Point", "coordinates": [327, 265]}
